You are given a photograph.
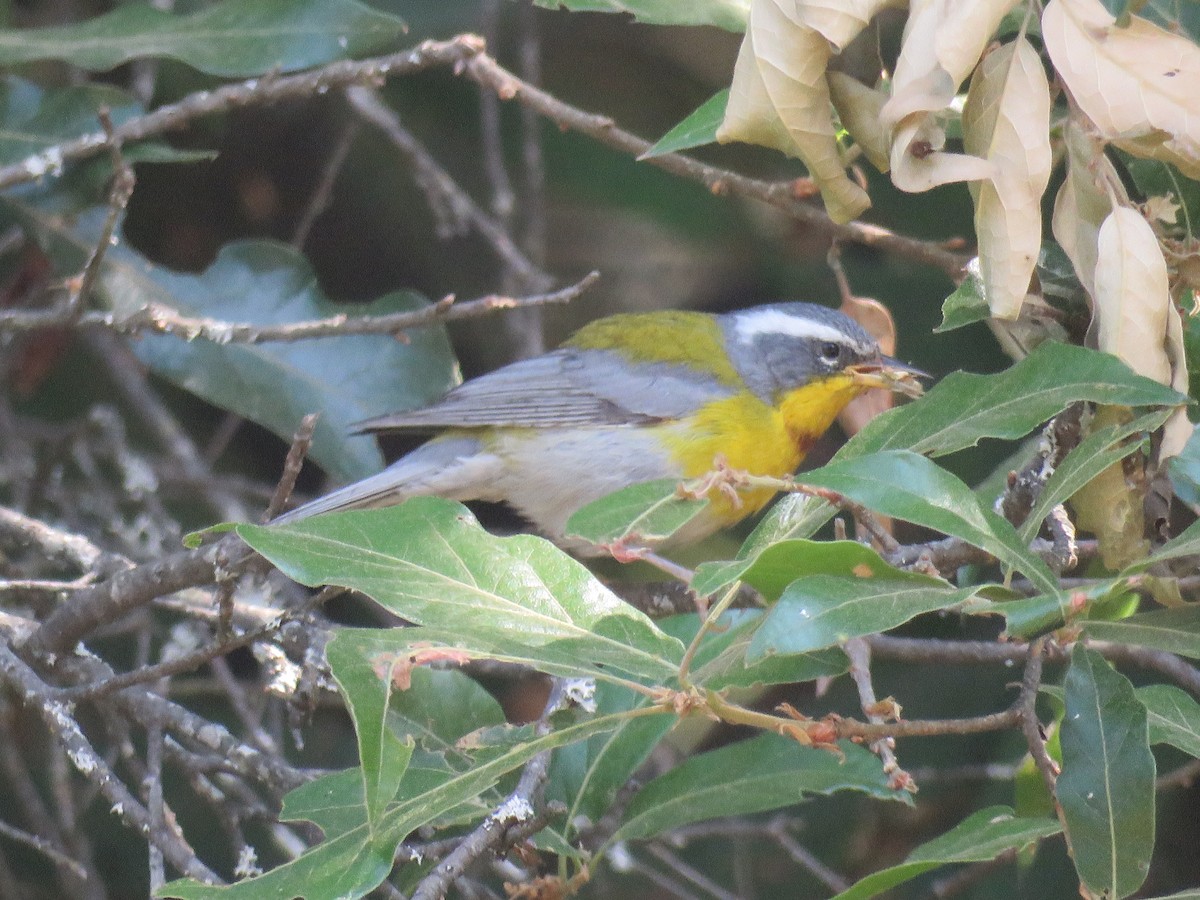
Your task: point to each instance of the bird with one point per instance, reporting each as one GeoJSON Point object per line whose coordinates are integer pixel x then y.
{"type": "Point", "coordinates": [635, 397]}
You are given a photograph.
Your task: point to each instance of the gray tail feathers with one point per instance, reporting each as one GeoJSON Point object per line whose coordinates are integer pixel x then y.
{"type": "Point", "coordinates": [427, 470]}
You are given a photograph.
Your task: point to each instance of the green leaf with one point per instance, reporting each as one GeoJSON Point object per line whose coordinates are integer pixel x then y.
{"type": "Point", "coordinates": [962, 408]}
{"type": "Point", "coordinates": [728, 14]}
{"type": "Point", "coordinates": [722, 659]}
{"type": "Point", "coordinates": [234, 38]}
{"type": "Point", "coordinates": [587, 776]}
{"type": "Point", "coordinates": [763, 773]}
{"type": "Point", "coordinates": [428, 561]}
{"type": "Point", "coordinates": [1186, 543]}
{"type": "Point", "coordinates": [982, 836]}
{"type": "Point", "coordinates": [1106, 789]}
{"type": "Point", "coordinates": [352, 864]}
{"type": "Point", "coordinates": [1185, 468]}
{"type": "Point", "coordinates": [641, 513]}
{"type": "Point", "coordinates": [347, 379]}
{"type": "Point", "coordinates": [779, 564]}
{"type": "Point", "coordinates": [1029, 616]}
{"type": "Point", "coordinates": [906, 486]}
{"type": "Point", "coordinates": [824, 610]}
{"type": "Point", "coordinates": [439, 707]}
{"type": "Point", "coordinates": [696, 130]}
{"type": "Point", "coordinates": [334, 802]}
{"type": "Point", "coordinates": [367, 683]}
{"type": "Point", "coordinates": [1174, 630]}
{"type": "Point", "coordinates": [1154, 178]}
{"type": "Point", "coordinates": [32, 119]}
{"type": "Point", "coordinates": [967, 304]}
{"type": "Point", "coordinates": [1089, 458]}
{"type": "Point", "coordinates": [1173, 715]}
{"type": "Point", "coordinates": [347, 866]}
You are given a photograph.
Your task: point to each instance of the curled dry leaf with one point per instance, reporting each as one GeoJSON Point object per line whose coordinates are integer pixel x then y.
{"type": "Point", "coordinates": [942, 43]}
{"type": "Point", "coordinates": [859, 108]}
{"type": "Point", "coordinates": [1084, 200]}
{"type": "Point", "coordinates": [1136, 82]}
{"type": "Point", "coordinates": [779, 98]}
{"type": "Point", "coordinates": [919, 163]}
{"type": "Point", "coordinates": [1006, 121]}
{"type": "Point", "coordinates": [840, 21]}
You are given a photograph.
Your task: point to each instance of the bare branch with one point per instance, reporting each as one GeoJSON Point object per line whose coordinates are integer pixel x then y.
{"type": "Point", "coordinates": [157, 319]}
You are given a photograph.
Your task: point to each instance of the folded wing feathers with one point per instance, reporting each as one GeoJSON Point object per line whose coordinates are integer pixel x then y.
{"type": "Point", "coordinates": [566, 388]}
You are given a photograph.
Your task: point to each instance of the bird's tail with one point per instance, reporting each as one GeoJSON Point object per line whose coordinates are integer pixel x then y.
{"type": "Point", "coordinates": [437, 467]}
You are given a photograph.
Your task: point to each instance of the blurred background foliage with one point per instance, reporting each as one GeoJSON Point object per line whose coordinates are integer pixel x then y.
{"type": "Point", "coordinates": [658, 241]}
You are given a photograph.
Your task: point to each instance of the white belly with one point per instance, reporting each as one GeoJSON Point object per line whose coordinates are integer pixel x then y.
{"type": "Point", "coordinates": [548, 475]}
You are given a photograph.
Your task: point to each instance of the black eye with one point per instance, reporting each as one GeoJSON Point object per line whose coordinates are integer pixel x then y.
{"type": "Point", "coordinates": [831, 352]}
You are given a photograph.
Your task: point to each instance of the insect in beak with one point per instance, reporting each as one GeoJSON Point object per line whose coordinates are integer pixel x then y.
{"type": "Point", "coordinates": [889, 373]}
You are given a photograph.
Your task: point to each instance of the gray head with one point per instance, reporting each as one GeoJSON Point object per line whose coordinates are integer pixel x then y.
{"type": "Point", "coordinates": [782, 345]}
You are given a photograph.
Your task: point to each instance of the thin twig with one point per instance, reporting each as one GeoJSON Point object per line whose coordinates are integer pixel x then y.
{"type": "Point", "coordinates": [125, 591]}
{"type": "Point", "coordinates": [1031, 727]}
{"type": "Point", "coordinates": [688, 873]}
{"type": "Point", "coordinates": [194, 660]}
{"type": "Point", "coordinates": [158, 319]}
{"type": "Point", "coordinates": [44, 847]}
{"type": "Point", "coordinates": [118, 198]}
{"type": "Point", "coordinates": [252, 92]}
{"type": "Point", "coordinates": [858, 652]}
{"type": "Point", "coordinates": [37, 695]}
{"type": "Point", "coordinates": [292, 465]}
{"type": "Point", "coordinates": [439, 184]}
{"type": "Point", "coordinates": [465, 53]}
{"type": "Point", "coordinates": [318, 201]}
{"type": "Point", "coordinates": [488, 72]}
{"type": "Point", "coordinates": [520, 807]}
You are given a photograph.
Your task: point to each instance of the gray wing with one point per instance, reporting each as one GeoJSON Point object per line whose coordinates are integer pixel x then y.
{"type": "Point", "coordinates": [569, 387]}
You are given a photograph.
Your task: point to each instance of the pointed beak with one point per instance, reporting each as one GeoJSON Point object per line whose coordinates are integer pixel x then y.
{"type": "Point", "coordinates": [889, 373]}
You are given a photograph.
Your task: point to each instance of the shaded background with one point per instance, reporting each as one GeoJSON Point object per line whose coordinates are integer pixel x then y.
{"type": "Point", "coordinates": [658, 241]}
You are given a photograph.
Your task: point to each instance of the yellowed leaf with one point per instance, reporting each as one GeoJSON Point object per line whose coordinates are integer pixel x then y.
{"type": "Point", "coordinates": [1132, 294]}
{"type": "Point", "coordinates": [779, 98]}
{"type": "Point", "coordinates": [1110, 505]}
{"type": "Point", "coordinates": [1084, 200]}
{"type": "Point", "coordinates": [1006, 120]}
{"type": "Point", "coordinates": [858, 107]}
{"type": "Point", "coordinates": [1137, 83]}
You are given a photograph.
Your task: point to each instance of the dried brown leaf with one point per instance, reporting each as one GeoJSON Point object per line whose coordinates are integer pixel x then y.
{"type": "Point", "coordinates": [840, 21]}
{"type": "Point", "coordinates": [1084, 200]}
{"type": "Point", "coordinates": [919, 163]}
{"type": "Point", "coordinates": [1006, 120]}
{"type": "Point", "coordinates": [779, 98]}
{"type": "Point", "coordinates": [1136, 82]}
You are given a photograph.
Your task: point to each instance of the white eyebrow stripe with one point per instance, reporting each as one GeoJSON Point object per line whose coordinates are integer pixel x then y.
{"type": "Point", "coordinates": [771, 321]}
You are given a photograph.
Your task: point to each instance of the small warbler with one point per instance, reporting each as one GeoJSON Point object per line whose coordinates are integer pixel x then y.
{"type": "Point", "coordinates": [631, 398]}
